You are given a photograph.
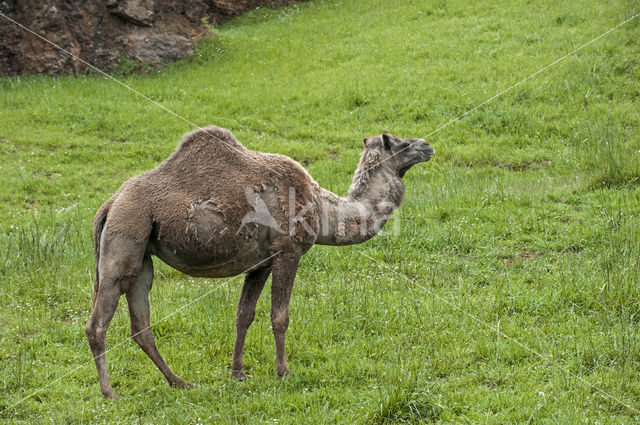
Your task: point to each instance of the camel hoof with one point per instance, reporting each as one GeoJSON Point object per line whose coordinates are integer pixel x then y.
{"type": "Point", "coordinates": [240, 375]}
{"type": "Point", "coordinates": [182, 384]}
{"type": "Point", "coordinates": [284, 373]}
{"type": "Point", "coordinates": [110, 394]}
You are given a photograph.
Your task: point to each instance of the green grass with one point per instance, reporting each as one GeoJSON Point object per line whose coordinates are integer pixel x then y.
{"type": "Point", "coordinates": [528, 219]}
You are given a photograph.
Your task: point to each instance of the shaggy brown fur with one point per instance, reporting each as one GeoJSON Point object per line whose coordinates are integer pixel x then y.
{"type": "Point", "coordinates": [217, 209]}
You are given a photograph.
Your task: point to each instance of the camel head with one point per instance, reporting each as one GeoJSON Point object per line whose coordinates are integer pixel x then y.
{"type": "Point", "coordinates": [397, 153]}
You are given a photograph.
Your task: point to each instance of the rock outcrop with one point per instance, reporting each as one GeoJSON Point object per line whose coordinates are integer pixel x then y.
{"type": "Point", "coordinates": [101, 32]}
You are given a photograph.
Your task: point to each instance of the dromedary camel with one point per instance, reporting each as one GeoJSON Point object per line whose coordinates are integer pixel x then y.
{"type": "Point", "coordinates": [217, 209]}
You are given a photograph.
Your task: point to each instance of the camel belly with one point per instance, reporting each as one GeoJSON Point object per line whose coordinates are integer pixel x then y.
{"type": "Point", "coordinates": [209, 238]}
{"type": "Point", "coordinates": [208, 245]}
{"type": "Point", "coordinates": [226, 261]}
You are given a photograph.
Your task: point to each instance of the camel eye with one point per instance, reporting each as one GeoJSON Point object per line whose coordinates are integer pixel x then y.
{"type": "Point", "coordinates": [403, 145]}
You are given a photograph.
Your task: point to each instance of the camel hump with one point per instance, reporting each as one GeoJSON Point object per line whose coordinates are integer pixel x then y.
{"type": "Point", "coordinates": [203, 147]}
{"type": "Point", "coordinates": [208, 135]}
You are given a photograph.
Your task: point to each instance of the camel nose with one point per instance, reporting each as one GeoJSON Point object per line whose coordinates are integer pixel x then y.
{"type": "Point", "coordinates": [426, 147]}
{"type": "Point", "coordinates": [430, 150]}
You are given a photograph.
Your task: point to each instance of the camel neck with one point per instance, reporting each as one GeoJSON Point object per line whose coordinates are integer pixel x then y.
{"type": "Point", "coordinates": [361, 213]}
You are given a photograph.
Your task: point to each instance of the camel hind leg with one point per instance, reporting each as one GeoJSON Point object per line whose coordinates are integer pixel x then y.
{"type": "Point", "coordinates": [107, 299]}
{"type": "Point", "coordinates": [119, 265]}
{"type": "Point", "coordinates": [138, 300]}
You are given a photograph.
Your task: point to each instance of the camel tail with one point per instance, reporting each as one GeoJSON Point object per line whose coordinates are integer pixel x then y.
{"type": "Point", "coordinates": [98, 225]}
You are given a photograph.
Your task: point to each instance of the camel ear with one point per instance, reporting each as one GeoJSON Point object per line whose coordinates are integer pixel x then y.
{"type": "Point", "coordinates": [364, 141]}
{"type": "Point", "coordinates": [386, 139]}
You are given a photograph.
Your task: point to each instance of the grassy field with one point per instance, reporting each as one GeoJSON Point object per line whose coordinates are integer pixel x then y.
{"type": "Point", "coordinates": [508, 292]}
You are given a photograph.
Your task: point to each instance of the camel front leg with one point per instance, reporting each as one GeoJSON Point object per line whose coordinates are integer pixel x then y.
{"type": "Point", "coordinates": [284, 272]}
{"type": "Point", "coordinates": [253, 285]}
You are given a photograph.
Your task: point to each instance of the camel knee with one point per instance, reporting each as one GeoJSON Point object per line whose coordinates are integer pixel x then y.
{"type": "Point", "coordinates": [140, 335]}
{"type": "Point", "coordinates": [244, 318]}
{"type": "Point", "coordinates": [280, 322]}
{"type": "Point", "coordinates": [96, 335]}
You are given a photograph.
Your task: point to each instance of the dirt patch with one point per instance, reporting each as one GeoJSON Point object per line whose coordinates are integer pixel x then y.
{"type": "Point", "coordinates": [524, 256]}
{"type": "Point", "coordinates": [523, 166]}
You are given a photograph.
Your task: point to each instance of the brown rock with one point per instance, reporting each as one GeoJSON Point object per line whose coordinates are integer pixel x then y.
{"type": "Point", "coordinates": [138, 12]}
{"type": "Point", "coordinates": [100, 32]}
{"type": "Point", "coordinates": [155, 46]}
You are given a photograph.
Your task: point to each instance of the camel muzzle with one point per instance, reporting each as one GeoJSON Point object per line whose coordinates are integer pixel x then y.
{"type": "Point", "coordinates": [426, 150]}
